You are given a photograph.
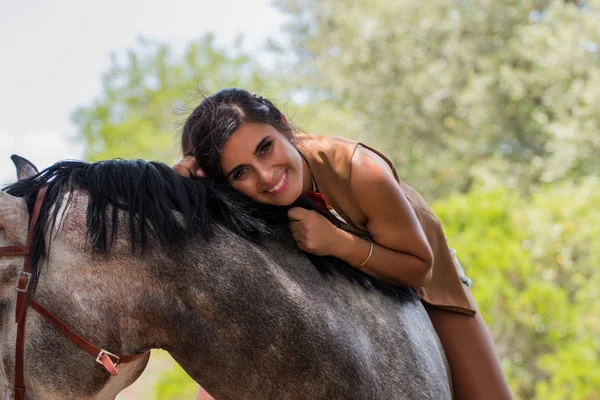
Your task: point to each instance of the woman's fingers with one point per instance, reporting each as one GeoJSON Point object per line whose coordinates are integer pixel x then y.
{"type": "Point", "coordinates": [181, 170]}
{"type": "Point", "coordinates": [295, 226]}
{"type": "Point", "coordinates": [188, 167]}
{"type": "Point", "coordinates": [298, 237]}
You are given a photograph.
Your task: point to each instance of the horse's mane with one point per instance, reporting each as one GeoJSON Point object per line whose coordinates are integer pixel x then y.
{"type": "Point", "coordinates": [151, 192]}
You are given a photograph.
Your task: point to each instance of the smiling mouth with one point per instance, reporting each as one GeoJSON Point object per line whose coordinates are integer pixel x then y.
{"type": "Point", "coordinates": [280, 185]}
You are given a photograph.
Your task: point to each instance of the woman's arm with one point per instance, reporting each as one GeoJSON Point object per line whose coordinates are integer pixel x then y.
{"type": "Point", "coordinates": [401, 252]}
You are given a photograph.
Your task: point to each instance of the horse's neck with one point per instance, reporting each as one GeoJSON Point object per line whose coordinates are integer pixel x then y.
{"type": "Point", "coordinates": [222, 296]}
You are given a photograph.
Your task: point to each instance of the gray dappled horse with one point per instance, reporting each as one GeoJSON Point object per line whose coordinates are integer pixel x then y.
{"type": "Point", "coordinates": [133, 257]}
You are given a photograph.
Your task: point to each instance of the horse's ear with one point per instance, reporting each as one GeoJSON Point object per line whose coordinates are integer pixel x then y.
{"type": "Point", "coordinates": [14, 218]}
{"type": "Point", "coordinates": [25, 168]}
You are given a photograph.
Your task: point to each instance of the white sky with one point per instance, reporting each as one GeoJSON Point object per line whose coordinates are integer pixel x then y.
{"type": "Point", "coordinates": [53, 53]}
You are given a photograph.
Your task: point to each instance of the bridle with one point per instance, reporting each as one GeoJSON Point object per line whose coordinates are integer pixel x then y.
{"type": "Point", "coordinates": [24, 301]}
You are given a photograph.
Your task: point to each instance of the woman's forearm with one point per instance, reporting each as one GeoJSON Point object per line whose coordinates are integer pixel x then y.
{"type": "Point", "coordinates": [390, 265]}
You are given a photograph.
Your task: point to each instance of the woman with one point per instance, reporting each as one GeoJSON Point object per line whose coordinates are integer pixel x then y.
{"type": "Point", "coordinates": [386, 228]}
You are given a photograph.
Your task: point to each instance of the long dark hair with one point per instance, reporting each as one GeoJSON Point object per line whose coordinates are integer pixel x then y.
{"type": "Point", "coordinates": [213, 122]}
{"type": "Point", "coordinates": [159, 203]}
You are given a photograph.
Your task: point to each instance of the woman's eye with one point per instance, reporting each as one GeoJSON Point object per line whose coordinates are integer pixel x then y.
{"type": "Point", "coordinates": [265, 148]}
{"type": "Point", "coordinates": [238, 174]}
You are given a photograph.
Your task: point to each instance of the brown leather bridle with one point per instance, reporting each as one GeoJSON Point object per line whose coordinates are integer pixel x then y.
{"type": "Point", "coordinates": [24, 301]}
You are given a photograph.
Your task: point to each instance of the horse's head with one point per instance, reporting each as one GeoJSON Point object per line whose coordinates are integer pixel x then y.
{"type": "Point", "coordinates": [77, 288]}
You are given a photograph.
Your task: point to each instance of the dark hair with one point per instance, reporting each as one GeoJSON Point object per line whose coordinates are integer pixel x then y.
{"type": "Point", "coordinates": [213, 122]}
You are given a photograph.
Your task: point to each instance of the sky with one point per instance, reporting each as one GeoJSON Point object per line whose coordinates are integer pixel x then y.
{"type": "Point", "coordinates": [53, 54]}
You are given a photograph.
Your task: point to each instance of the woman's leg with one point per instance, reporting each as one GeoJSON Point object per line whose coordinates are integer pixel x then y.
{"type": "Point", "coordinates": [474, 364]}
{"type": "Point", "coordinates": [203, 394]}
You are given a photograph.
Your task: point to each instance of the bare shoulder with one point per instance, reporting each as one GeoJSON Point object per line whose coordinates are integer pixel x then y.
{"type": "Point", "coordinates": [368, 167]}
{"type": "Point", "coordinates": [374, 186]}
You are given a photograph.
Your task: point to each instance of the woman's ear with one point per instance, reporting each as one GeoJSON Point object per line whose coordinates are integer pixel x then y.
{"type": "Point", "coordinates": [284, 119]}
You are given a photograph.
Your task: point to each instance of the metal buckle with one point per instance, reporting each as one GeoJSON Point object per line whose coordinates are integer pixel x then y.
{"type": "Point", "coordinates": [112, 356]}
{"type": "Point", "coordinates": [26, 288]}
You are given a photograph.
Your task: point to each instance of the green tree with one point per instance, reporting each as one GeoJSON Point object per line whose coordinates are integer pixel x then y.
{"type": "Point", "coordinates": [175, 384]}
{"type": "Point", "coordinates": [534, 263]}
{"type": "Point", "coordinates": [457, 91]}
{"type": "Point", "coordinates": [148, 91]}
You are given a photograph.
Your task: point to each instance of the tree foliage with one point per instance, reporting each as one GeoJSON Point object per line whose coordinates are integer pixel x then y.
{"type": "Point", "coordinates": [175, 384]}
{"type": "Point", "coordinates": [149, 90]}
{"type": "Point", "coordinates": [457, 91]}
{"type": "Point", "coordinates": [534, 263]}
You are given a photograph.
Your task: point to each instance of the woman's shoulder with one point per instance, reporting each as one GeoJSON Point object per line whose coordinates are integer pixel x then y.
{"type": "Point", "coordinates": [371, 164]}
{"type": "Point", "coordinates": [338, 146]}
{"type": "Point", "coordinates": [335, 151]}
{"type": "Point", "coordinates": [340, 153]}
{"type": "Point", "coordinates": [320, 142]}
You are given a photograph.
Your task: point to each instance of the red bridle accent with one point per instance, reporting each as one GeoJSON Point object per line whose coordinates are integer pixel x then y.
{"type": "Point", "coordinates": [24, 301]}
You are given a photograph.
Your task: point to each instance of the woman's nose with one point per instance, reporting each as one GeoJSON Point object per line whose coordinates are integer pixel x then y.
{"type": "Point", "coordinates": [265, 175]}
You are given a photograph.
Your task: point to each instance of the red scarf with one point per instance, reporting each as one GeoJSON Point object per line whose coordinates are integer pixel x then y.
{"type": "Point", "coordinates": [317, 198]}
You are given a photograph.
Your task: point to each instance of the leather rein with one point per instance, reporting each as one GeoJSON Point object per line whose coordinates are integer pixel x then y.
{"type": "Point", "coordinates": [24, 300]}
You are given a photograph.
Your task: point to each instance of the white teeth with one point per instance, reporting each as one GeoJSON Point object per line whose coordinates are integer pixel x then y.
{"type": "Point", "coordinates": [279, 185]}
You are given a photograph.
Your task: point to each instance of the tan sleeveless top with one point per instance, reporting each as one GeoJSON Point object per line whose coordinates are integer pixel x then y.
{"type": "Point", "coordinates": [330, 159]}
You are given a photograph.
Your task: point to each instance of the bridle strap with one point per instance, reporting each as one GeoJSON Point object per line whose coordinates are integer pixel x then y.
{"type": "Point", "coordinates": [23, 281]}
{"type": "Point", "coordinates": [22, 298]}
{"type": "Point", "coordinates": [14, 250]}
{"type": "Point", "coordinates": [103, 357]}
{"type": "Point", "coordinates": [84, 344]}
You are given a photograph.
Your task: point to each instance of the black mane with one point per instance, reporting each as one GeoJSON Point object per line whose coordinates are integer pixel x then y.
{"type": "Point", "coordinates": [150, 192]}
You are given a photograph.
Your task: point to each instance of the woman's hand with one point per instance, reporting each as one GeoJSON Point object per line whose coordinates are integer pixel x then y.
{"type": "Point", "coordinates": [188, 167]}
{"type": "Point", "coordinates": [312, 232]}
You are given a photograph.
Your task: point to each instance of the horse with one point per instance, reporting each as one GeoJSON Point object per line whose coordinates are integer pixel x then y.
{"type": "Point", "coordinates": [133, 257]}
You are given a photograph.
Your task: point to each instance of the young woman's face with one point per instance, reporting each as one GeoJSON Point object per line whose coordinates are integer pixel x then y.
{"type": "Point", "coordinates": [261, 163]}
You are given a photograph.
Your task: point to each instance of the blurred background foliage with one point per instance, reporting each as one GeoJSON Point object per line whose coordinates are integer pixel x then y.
{"type": "Point", "coordinates": [490, 109]}
{"type": "Point", "coordinates": [534, 264]}
{"type": "Point", "coordinates": [505, 90]}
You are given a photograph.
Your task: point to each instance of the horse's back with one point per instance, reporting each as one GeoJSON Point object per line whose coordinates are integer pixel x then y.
{"type": "Point", "coordinates": [396, 352]}
{"type": "Point", "coordinates": [378, 347]}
